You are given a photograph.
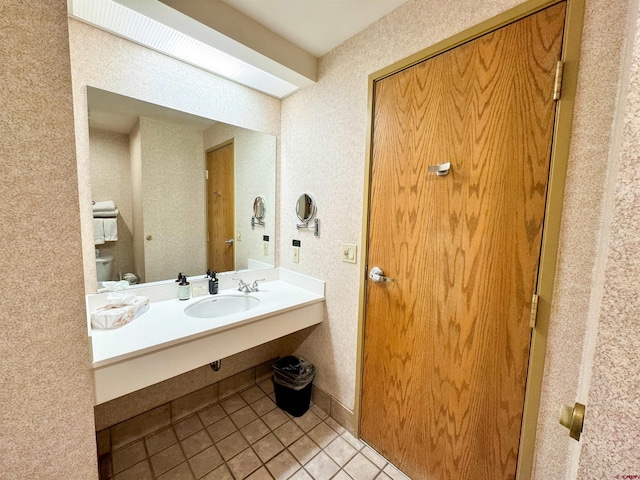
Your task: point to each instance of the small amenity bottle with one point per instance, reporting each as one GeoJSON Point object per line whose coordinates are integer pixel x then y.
{"type": "Point", "coordinates": [184, 289]}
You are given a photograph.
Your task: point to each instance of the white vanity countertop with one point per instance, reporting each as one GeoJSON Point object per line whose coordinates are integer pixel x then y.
{"type": "Point", "coordinates": [165, 323]}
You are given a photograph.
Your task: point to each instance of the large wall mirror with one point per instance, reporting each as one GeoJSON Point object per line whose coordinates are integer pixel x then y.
{"type": "Point", "coordinates": [184, 188]}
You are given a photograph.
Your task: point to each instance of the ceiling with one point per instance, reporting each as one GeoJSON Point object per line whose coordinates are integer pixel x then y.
{"type": "Point", "coordinates": [316, 26]}
{"type": "Point", "coordinates": [269, 45]}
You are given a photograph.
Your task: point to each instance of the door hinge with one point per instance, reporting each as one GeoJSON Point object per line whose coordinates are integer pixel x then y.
{"type": "Point", "coordinates": [534, 311]}
{"type": "Point", "coordinates": [557, 84]}
{"type": "Point", "coordinates": [206, 174]}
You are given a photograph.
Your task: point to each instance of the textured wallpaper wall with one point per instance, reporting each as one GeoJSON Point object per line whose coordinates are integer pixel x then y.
{"type": "Point", "coordinates": [323, 151]}
{"type": "Point", "coordinates": [46, 418]}
{"type": "Point", "coordinates": [612, 433]}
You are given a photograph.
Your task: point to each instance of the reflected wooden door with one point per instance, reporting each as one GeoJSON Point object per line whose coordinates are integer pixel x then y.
{"type": "Point", "coordinates": [447, 342]}
{"type": "Point", "coordinates": [220, 209]}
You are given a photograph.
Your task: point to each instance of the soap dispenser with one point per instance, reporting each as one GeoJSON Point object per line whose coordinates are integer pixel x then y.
{"type": "Point", "coordinates": [184, 289]}
{"type": "Point", "coordinates": [213, 283]}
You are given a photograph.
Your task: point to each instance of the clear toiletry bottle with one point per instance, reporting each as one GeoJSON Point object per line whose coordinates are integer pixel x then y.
{"type": "Point", "coordinates": [184, 289]}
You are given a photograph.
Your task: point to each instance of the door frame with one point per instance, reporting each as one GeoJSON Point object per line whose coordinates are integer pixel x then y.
{"type": "Point", "coordinates": [553, 210]}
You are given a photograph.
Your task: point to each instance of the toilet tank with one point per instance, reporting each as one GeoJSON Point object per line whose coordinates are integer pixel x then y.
{"type": "Point", "coordinates": [103, 268]}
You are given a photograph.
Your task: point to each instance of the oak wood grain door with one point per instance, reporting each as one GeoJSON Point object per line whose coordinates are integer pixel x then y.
{"type": "Point", "coordinates": [220, 209]}
{"type": "Point", "coordinates": [447, 342]}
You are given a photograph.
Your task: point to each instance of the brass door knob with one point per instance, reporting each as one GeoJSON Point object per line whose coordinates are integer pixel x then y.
{"type": "Point", "coordinates": [573, 419]}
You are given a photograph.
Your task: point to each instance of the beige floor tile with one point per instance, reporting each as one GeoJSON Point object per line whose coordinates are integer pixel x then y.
{"type": "Point", "coordinates": [181, 472]}
{"type": "Point", "coordinates": [244, 464]}
{"type": "Point", "coordinates": [304, 449]}
{"type": "Point", "coordinates": [160, 440]}
{"type": "Point", "coordinates": [266, 386]}
{"type": "Point", "coordinates": [342, 475]}
{"type": "Point", "coordinates": [212, 414]}
{"type": "Point", "coordinates": [196, 443]}
{"type": "Point", "coordinates": [283, 466]}
{"type": "Point", "coordinates": [230, 446]}
{"type": "Point", "coordinates": [353, 441]}
{"type": "Point", "coordinates": [261, 474]}
{"type": "Point", "coordinates": [394, 473]}
{"type": "Point", "coordinates": [205, 461]}
{"type": "Point", "coordinates": [340, 451]}
{"type": "Point", "coordinates": [262, 406]}
{"type": "Point", "coordinates": [321, 467]}
{"type": "Point", "coordinates": [220, 473]}
{"type": "Point", "coordinates": [359, 468]}
{"type": "Point", "coordinates": [288, 433]}
{"type": "Point", "coordinates": [383, 476]}
{"type": "Point", "coordinates": [128, 456]}
{"type": "Point", "coordinates": [335, 425]}
{"type": "Point", "coordinates": [252, 394]}
{"type": "Point", "coordinates": [268, 447]}
{"type": "Point", "coordinates": [375, 458]}
{"type": "Point", "coordinates": [301, 475]}
{"type": "Point", "coordinates": [275, 418]}
{"type": "Point", "coordinates": [255, 430]}
{"type": "Point", "coordinates": [140, 471]}
{"type": "Point", "coordinates": [243, 416]}
{"type": "Point", "coordinates": [319, 412]}
{"type": "Point", "coordinates": [233, 404]}
{"type": "Point", "coordinates": [166, 459]}
{"type": "Point", "coordinates": [307, 421]}
{"type": "Point", "coordinates": [187, 427]}
{"type": "Point", "coordinates": [322, 434]}
{"type": "Point", "coordinates": [221, 429]}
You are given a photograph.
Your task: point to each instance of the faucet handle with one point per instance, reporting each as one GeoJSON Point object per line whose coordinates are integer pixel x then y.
{"type": "Point", "coordinates": [254, 285]}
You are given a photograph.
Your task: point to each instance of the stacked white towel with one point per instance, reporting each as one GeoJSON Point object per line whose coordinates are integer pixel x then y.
{"type": "Point", "coordinates": [121, 309]}
{"type": "Point", "coordinates": [105, 222]}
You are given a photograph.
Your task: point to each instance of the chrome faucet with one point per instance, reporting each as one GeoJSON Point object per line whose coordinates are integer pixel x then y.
{"type": "Point", "coordinates": [248, 287]}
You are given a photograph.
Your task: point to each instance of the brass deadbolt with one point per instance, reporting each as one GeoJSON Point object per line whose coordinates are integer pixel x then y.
{"type": "Point", "coordinates": [573, 419]}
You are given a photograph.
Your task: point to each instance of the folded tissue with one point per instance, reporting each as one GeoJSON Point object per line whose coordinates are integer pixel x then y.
{"type": "Point", "coordinates": [121, 308]}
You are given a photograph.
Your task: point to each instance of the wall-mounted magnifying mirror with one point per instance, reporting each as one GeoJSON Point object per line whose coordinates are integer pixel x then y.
{"type": "Point", "coordinates": [259, 210]}
{"type": "Point", "coordinates": [306, 210]}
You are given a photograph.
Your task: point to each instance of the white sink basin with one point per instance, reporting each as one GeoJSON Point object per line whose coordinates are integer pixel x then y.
{"type": "Point", "coordinates": [221, 305]}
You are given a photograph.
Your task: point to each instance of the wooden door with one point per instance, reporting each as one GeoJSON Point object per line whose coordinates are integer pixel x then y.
{"type": "Point", "coordinates": [447, 342]}
{"type": "Point", "coordinates": [220, 209]}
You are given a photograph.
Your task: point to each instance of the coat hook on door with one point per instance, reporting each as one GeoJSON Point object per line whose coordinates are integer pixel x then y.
{"type": "Point", "coordinates": [441, 169]}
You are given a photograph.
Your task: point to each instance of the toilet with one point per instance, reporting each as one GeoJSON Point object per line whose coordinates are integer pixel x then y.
{"type": "Point", "coordinates": [103, 268]}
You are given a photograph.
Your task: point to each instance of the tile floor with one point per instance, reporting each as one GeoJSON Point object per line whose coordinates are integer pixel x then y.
{"type": "Point", "coordinates": [247, 437]}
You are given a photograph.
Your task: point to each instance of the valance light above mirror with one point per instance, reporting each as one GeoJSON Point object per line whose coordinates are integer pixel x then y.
{"type": "Point", "coordinates": [151, 161]}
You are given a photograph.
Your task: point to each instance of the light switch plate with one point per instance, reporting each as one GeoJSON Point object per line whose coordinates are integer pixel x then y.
{"type": "Point", "coordinates": [349, 253]}
{"type": "Point", "coordinates": [296, 254]}
{"type": "Point", "coordinates": [266, 248]}
{"type": "Point", "coordinates": [238, 235]}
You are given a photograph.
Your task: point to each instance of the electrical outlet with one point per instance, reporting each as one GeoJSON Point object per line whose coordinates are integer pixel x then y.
{"type": "Point", "coordinates": [266, 248]}
{"type": "Point", "coordinates": [296, 254]}
{"type": "Point", "coordinates": [349, 253]}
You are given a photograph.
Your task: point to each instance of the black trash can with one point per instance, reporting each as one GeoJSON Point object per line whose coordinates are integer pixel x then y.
{"type": "Point", "coordinates": [292, 383]}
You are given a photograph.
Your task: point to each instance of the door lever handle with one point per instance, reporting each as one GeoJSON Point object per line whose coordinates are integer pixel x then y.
{"type": "Point", "coordinates": [229, 241]}
{"type": "Point", "coordinates": [377, 275]}
{"type": "Point", "coordinates": [440, 169]}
